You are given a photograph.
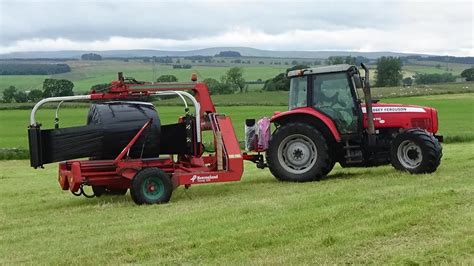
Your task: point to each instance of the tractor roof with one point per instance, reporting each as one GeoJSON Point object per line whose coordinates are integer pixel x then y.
{"type": "Point", "coordinates": [319, 70]}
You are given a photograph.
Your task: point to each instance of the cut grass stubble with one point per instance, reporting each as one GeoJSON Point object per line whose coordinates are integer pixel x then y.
{"type": "Point", "coordinates": [372, 215]}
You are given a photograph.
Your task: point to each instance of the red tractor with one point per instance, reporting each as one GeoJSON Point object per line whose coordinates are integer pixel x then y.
{"type": "Point", "coordinates": [127, 147]}
{"type": "Point", "coordinates": [328, 123]}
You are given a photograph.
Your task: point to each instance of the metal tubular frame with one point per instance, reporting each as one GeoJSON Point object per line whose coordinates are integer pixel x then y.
{"type": "Point", "coordinates": [54, 99]}
{"type": "Point", "coordinates": [180, 94]}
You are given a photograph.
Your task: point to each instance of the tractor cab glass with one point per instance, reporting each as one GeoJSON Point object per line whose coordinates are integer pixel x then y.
{"type": "Point", "coordinates": [332, 95]}
{"type": "Point", "coordinates": [298, 92]}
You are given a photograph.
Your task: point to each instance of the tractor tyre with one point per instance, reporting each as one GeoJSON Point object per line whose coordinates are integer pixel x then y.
{"type": "Point", "coordinates": [416, 151]}
{"type": "Point", "coordinates": [151, 186]}
{"type": "Point", "coordinates": [298, 152]}
{"type": "Point", "coordinates": [328, 169]}
{"type": "Point", "coordinates": [117, 192]}
{"type": "Point", "coordinates": [98, 190]}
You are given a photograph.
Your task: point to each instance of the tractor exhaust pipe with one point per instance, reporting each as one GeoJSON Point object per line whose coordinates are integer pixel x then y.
{"type": "Point", "coordinates": [368, 106]}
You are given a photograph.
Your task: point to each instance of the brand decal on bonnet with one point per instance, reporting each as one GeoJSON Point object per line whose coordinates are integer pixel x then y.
{"type": "Point", "coordinates": [395, 109]}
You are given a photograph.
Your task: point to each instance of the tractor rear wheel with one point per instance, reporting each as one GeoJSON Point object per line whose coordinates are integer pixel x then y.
{"type": "Point", "coordinates": [151, 186]}
{"type": "Point", "coordinates": [329, 167]}
{"type": "Point", "coordinates": [415, 151]}
{"type": "Point", "coordinates": [298, 152]}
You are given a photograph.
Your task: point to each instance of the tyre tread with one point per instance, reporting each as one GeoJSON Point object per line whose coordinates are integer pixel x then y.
{"type": "Point", "coordinates": [135, 189]}
{"type": "Point", "coordinates": [431, 148]}
{"type": "Point", "coordinates": [326, 164]}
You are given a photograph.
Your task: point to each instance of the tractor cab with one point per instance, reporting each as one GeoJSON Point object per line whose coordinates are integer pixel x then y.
{"type": "Point", "coordinates": [330, 90]}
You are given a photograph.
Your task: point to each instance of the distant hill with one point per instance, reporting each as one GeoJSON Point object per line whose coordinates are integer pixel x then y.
{"type": "Point", "coordinates": [244, 51]}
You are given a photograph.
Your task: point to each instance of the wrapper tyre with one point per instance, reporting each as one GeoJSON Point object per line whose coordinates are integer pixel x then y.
{"type": "Point", "coordinates": [415, 151]}
{"type": "Point", "coordinates": [151, 186]}
{"type": "Point", "coordinates": [298, 152]}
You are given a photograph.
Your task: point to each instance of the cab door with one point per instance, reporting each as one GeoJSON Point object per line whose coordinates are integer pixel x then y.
{"type": "Point", "coordinates": [334, 95]}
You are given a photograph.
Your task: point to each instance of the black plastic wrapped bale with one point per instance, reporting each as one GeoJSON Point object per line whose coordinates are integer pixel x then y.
{"type": "Point", "coordinates": [119, 122]}
{"type": "Point", "coordinates": [110, 127]}
{"type": "Point", "coordinates": [178, 138]}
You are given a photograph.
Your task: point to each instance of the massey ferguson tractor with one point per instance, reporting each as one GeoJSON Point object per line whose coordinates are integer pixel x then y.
{"type": "Point", "coordinates": [124, 146]}
{"type": "Point", "coordinates": [328, 123]}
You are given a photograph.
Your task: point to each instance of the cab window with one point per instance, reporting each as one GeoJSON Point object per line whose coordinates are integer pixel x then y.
{"type": "Point", "coordinates": [298, 92]}
{"type": "Point", "coordinates": [332, 95]}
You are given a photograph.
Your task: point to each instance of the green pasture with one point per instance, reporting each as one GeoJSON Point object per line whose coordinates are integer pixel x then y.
{"type": "Point", "coordinates": [84, 74]}
{"type": "Point", "coordinates": [456, 115]}
{"type": "Point", "coordinates": [22, 82]}
{"type": "Point", "coordinates": [430, 67]}
{"type": "Point", "coordinates": [420, 90]}
{"type": "Point", "coordinates": [354, 216]}
{"type": "Point", "coordinates": [14, 123]}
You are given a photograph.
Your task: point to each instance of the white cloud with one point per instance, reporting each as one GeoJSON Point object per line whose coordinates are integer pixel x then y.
{"type": "Point", "coordinates": [434, 27]}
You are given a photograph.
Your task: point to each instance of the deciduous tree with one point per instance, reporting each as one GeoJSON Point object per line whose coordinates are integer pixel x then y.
{"type": "Point", "coordinates": [9, 94]}
{"type": "Point", "coordinates": [57, 87]}
{"type": "Point", "coordinates": [468, 74]}
{"type": "Point", "coordinates": [21, 97]}
{"type": "Point", "coordinates": [167, 78]}
{"type": "Point", "coordinates": [389, 71]}
{"type": "Point", "coordinates": [234, 78]}
{"type": "Point", "coordinates": [35, 95]}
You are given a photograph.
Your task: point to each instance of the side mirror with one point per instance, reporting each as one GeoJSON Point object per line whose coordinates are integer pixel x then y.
{"type": "Point", "coordinates": [357, 81]}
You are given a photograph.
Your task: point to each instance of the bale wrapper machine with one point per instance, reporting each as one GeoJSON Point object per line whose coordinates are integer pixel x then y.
{"type": "Point", "coordinates": [126, 147]}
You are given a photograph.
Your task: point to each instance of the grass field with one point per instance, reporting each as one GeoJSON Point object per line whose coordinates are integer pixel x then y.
{"type": "Point", "coordinates": [456, 119]}
{"type": "Point", "coordinates": [429, 67]}
{"type": "Point", "coordinates": [355, 216]}
{"type": "Point", "coordinates": [420, 90]}
{"type": "Point", "coordinates": [84, 74]}
{"type": "Point", "coordinates": [22, 82]}
{"type": "Point", "coordinates": [13, 128]}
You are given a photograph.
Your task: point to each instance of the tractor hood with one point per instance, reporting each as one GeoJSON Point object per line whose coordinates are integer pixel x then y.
{"type": "Point", "coordinates": [403, 116]}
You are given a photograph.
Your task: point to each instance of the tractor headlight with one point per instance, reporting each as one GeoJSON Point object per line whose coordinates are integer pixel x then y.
{"type": "Point", "coordinates": [424, 123]}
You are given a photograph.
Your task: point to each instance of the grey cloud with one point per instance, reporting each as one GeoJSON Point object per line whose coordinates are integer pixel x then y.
{"type": "Point", "coordinates": [84, 20]}
{"type": "Point", "coordinates": [87, 21]}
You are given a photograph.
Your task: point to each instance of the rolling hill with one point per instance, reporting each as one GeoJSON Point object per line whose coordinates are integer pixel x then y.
{"type": "Point", "coordinates": [244, 51]}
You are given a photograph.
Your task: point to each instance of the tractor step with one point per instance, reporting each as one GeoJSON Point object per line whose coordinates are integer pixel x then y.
{"type": "Point", "coordinates": [353, 153]}
{"type": "Point", "coordinates": [352, 147]}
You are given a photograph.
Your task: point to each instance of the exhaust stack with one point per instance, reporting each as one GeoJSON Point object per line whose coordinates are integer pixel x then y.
{"type": "Point", "coordinates": [368, 106]}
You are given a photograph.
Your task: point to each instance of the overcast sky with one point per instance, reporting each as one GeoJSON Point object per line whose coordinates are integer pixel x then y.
{"type": "Point", "coordinates": [433, 27]}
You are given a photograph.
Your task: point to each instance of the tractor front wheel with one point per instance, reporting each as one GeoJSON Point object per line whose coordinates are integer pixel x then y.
{"type": "Point", "coordinates": [151, 186]}
{"type": "Point", "coordinates": [298, 152]}
{"type": "Point", "coordinates": [415, 151]}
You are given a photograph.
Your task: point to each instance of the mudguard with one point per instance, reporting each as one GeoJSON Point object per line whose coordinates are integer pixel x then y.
{"type": "Point", "coordinates": [311, 113]}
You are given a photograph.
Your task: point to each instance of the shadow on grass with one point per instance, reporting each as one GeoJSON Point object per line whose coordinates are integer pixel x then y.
{"type": "Point", "coordinates": [81, 201]}
{"type": "Point", "coordinates": [343, 175]}
{"type": "Point", "coordinates": [211, 191]}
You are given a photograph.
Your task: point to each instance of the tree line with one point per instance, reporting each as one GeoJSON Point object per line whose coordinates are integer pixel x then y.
{"type": "Point", "coordinates": [231, 82]}
{"type": "Point", "coordinates": [389, 73]}
{"type": "Point", "coordinates": [388, 70]}
{"type": "Point", "coordinates": [33, 69]}
{"type": "Point", "coordinates": [448, 59]}
{"type": "Point", "coordinates": [51, 88]}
